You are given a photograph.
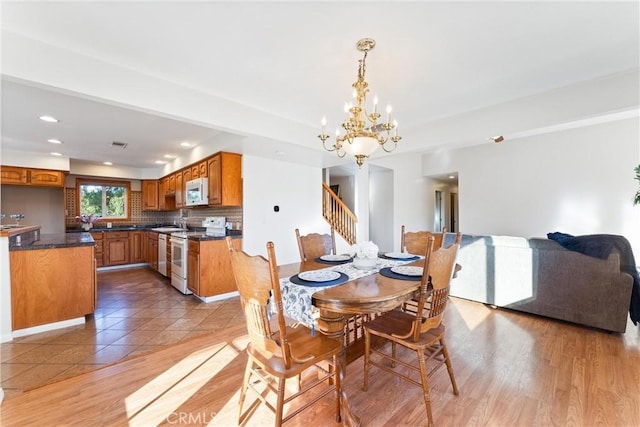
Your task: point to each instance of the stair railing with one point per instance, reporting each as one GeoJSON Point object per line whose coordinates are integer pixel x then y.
{"type": "Point", "coordinates": [338, 215]}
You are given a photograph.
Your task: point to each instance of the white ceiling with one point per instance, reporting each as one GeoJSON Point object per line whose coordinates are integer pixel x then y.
{"type": "Point", "coordinates": [274, 69]}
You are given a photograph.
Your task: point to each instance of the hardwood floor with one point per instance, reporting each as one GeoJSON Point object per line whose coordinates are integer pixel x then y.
{"type": "Point", "coordinates": [512, 369]}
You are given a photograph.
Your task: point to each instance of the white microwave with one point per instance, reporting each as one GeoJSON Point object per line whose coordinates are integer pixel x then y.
{"type": "Point", "coordinates": [197, 192]}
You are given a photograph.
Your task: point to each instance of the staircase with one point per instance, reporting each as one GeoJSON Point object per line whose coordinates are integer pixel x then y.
{"type": "Point", "coordinates": [338, 215]}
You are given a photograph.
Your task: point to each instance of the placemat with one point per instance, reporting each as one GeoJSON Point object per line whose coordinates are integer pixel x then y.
{"type": "Point", "coordinates": [298, 281]}
{"type": "Point", "coordinates": [413, 258]}
{"type": "Point", "coordinates": [388, 273]}
{"type": "Point", "coordinates": [322, 261]}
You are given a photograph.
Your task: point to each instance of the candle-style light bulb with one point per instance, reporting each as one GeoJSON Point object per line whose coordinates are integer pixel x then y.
{"type": "Point", "coordinates": [375, 104]}
{"type": "Point", "coordinates": [388, 113]}
{"type": "Point", "coordinates": [323, 122]}
{"type": "Point", "coordinates": [395, 124]}
{"type": "Point", "coordinates": [346, 107]}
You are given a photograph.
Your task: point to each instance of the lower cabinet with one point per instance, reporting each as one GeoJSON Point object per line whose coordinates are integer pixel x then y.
{"type": "Point", "coordinates": [116, 248]}
{"type": "Point", "coordinates": [152, 249]}
{"type": "Point", "coordinates": [52, 285]}
{"type": "Point", "coordinates": [137, 246]}
{"type": "Point", "coordinates": [98, 236]}
{"type": "Point", "coordinates": [209, 270]}
{"type": "Point", "coordinates": [169, 258]}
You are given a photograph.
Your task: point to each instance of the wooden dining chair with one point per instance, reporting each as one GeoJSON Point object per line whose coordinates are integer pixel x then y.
{"type": "Point", "coordinates": [415, 242]}
{"type": "Point", "coordinates": [314, 245]}
{"type": "Point", "coordinates": [277, 351]}
{"type": "Point", "coordinates": [421, 331]}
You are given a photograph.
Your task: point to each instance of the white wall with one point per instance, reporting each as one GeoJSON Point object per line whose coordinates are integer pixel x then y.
{"type": "Point", "coordinates": [347, 189]}
{"type": "Point", "coordinates": [412, 198]}
{"type": "Point", "coordinates": [381, 227]}
{"type": "Point", "coordinates": [578, 181]}
{"type": "Point", "coordinates": [296, 189]}
{"type": "Point", "coordinates": [41, 206]}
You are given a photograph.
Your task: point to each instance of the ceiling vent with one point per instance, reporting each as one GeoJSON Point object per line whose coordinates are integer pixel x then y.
{"type": "Point", "coordinates": [117, 144]}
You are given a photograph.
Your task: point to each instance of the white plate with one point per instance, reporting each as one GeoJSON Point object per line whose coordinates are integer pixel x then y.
{"type": "Point", "coordinates": [332, 257]}
{"type": "Point", "coordinates": [408, 271]}
{"type": "Point", "coordinates": [399, 255]}
{"type": "Point", "coordinates": [319, 275]}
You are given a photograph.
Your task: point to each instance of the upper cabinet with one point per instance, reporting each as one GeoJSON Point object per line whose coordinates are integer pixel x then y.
{"type": "Point", "coordinates": [150, 195]}
{"type": "Point", "coordinates": [179, 192]}
{"type": "Point", "coordinates": [28, 176]}
{"type": "Point", "coordinates": [224, 171]}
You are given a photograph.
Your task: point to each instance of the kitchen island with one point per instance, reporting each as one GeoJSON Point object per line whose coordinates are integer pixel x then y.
{"type": "Point", "coordinates": [53, 279]}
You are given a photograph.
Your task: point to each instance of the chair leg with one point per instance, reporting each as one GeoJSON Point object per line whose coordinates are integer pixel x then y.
{"type": "Point", "coordinates": [445, 353]}
{"type": "Point", "coordinates": [393, 354]}
{"type": "Point", "coordinates": [245, 385]}
{"type": "Point", "coordinates": [367, 348]}
{"type": "Point", "coordinates": [425, 385]}
{"type": "Point", "coordinates": [282, 385]}
{"type": "Point", "coordinates": [338, 385]}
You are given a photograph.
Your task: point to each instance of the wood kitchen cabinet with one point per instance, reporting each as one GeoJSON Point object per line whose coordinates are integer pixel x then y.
{"type": "Point", "coordinates": [150, 195]}
{"type": "Point", "coordinates": [179, 192]}
{"type": "Point", "coordinates": [186, 176]}
{"type": "Point", "coordinates": [116, 248]}
{"type": "Point", "coordinates": [29, 176]}
{"type": "Point", "coordinates": [209, 270]}
{"type": "Point", "coordinates": [137, 240]}
{"type": "Point", "coordinates": [169, 258]}
{"type": "Point", "coordinates": [152, 249]}
{"type": "Point", "coordinates": [203, 169]}
{"type": "Point", "coordinates": [99, 253]}
{"type": "Point", "coordinates": [52, 285]}
{"type": "Point", "coordinates": [171, 187]}
{"type": "Point", "coordinates": [224, 171]}
{"type": "Point", "coordinates": [166, 196]}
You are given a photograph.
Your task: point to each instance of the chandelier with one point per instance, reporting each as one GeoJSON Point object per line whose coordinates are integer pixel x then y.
{"type": "Point", "coordinates": [364, 134]}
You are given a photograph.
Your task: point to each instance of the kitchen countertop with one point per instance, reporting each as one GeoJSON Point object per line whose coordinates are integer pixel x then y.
{"type": "Point", "coordinates": [202, 236]}
{"type": "Point", "coordinates": [118, 228]}
{"type": "Point", "coordinates": [53, 241]}
{"type": "Point", "coordinates": [234, 234]}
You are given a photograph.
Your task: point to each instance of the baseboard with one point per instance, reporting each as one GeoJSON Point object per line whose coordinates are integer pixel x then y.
{"type": "Point", "coordinates": [217, 297]}
{"type": "Point", "coordinates": [48, 327]}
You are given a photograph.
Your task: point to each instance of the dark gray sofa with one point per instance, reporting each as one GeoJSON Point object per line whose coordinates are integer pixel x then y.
{"type": "Point", "coordinates": [539, 276]}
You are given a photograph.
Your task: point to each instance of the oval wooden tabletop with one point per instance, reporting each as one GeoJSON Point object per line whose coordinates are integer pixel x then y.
{"type": "Point", "coordinates": [370, 294]}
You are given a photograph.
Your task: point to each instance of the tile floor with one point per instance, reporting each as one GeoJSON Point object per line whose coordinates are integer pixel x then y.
{"type": "Point", "coordinates": [138, 311]}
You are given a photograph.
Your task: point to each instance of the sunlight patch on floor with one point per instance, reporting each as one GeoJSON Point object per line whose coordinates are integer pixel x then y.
{"type": "Point", "coordinates": [153, 403]}
{"type": "Point", "coordinates": [471, 318]}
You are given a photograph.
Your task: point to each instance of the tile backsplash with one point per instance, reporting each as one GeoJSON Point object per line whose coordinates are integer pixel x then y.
{"type": "Point", "coordinates": [193, 216]}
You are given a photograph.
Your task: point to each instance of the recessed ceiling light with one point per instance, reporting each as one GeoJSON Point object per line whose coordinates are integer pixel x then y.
{"type": "Point", "coordinates": [54, 141]}
{"type": "Point", "coordinates": [49, 119]}
{"type": "Point", "coordinates": [56, 154]}
{"type": "Point", "coordinates": [107, 163]}
{"type": "Point", "coordinates": [169, 156]}
{"type": "Point", "coordinates": [160, 162]}
{"type": "Point", "coordinates": [452, 177]}
{"type": "Point", "coordinates": [185, 144]}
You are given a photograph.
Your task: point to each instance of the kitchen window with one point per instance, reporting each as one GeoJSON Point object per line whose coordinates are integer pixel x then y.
{"type": "Point", "coordinates": [108, 199]}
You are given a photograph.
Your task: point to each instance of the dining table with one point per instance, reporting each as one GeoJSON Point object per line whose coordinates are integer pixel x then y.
{"type": "Point", "coordinates": [339, 308]}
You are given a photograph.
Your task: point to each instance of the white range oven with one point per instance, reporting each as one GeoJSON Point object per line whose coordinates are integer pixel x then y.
{"type": "Point", "coordinates": [179, 248]}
